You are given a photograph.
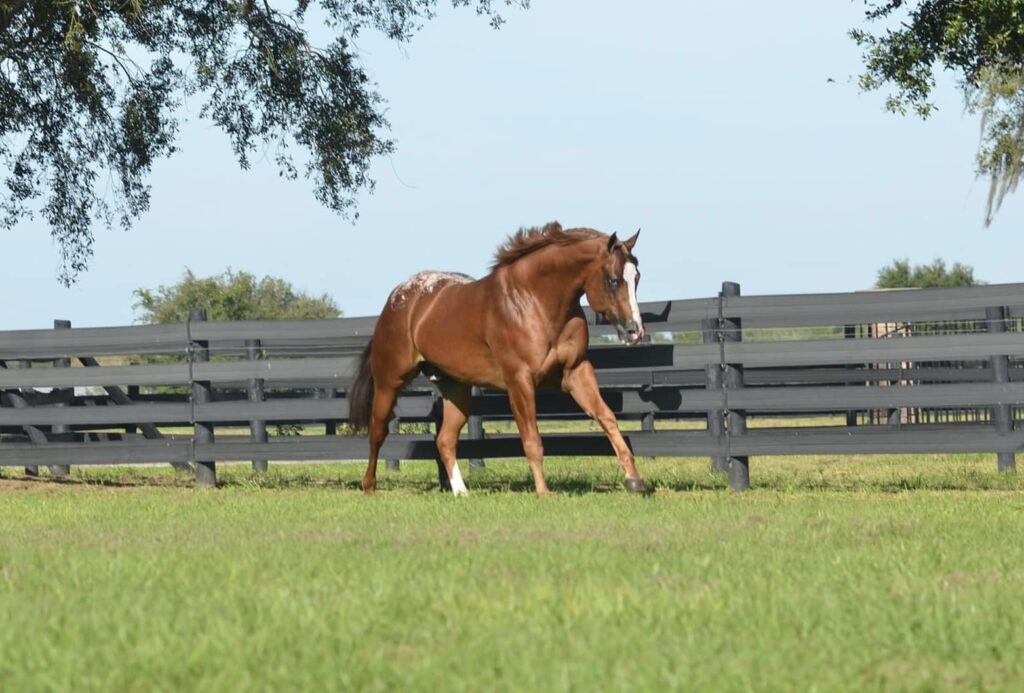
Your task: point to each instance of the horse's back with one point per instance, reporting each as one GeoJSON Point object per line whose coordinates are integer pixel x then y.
{"type": "Point", "coordinates": [423, 285]}
{"type": "Point", "coordinates": [417, 298]}
{"type": "Point", "coordinates": [442, 317]}
{"type": "Point", "coordinates": [425, 304]}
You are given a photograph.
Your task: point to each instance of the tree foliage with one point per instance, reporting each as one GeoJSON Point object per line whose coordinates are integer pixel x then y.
{"type": "Point", "coordinates": [982, 43]}
{"type": "Point", "coordinates": [231, 296]}
{"type": "Point", "coordinates": [91, 95]}
{"type": "Point", "coordinates": [999, 98]}
{"type": "Point", "coordinates": [900, 275]}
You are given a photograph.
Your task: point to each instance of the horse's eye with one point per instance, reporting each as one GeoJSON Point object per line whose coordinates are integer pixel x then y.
{"type": "Point", "coordinates": [614, 283]}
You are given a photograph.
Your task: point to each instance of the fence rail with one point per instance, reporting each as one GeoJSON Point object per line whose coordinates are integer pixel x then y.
{"type": "Point", "coordinates": [115, 395]}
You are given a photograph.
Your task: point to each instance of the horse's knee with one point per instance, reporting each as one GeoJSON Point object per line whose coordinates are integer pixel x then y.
{"type": "Point", "coordinates": [533, 448]}
{"type": "Point", "coordinates": [446, 446]}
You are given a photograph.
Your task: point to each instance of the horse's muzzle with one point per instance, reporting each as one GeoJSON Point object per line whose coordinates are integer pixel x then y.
{"type": "Point", "coordinates": [630, 331]}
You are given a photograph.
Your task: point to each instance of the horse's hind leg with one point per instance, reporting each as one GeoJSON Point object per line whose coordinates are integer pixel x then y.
{"type": "Point", "coordinates": [384, 398]}
{"type": "Point", "coordinates": [457, 401]}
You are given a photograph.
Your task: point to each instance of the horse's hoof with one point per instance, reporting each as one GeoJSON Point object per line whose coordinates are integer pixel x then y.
{"type": "Point", "coordinates": [638, 486]}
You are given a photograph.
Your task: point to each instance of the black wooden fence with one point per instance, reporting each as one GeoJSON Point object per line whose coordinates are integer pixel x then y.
{"type": "Point", "coordinates": [194, 393]}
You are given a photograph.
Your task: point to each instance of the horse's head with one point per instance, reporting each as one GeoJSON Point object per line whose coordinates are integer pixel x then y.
{"type": "Point", "coordinates": [611, 288]}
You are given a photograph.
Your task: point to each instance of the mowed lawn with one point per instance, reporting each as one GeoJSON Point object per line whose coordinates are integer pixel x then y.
{"type": "Point", "coordinates": [831, 574]}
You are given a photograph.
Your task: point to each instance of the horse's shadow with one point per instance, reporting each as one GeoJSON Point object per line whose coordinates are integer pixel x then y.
{"type": "Point", "coordinates": [571, 486]}
{"type": "Point", "coordinates": [562, 486]}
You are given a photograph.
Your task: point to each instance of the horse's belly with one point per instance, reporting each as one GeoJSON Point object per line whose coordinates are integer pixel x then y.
{"type": "Point", "coordinates": [466, 364]}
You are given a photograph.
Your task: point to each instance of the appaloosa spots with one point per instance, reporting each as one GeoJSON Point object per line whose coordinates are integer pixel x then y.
{"type": "Point", "coordinates": [425, 283]}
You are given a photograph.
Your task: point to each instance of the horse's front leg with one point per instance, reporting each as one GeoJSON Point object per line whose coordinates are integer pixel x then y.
{"type": "Point", "coordinates": [522, 396]}
{"type": "Point", "coordinates": [581, 383]}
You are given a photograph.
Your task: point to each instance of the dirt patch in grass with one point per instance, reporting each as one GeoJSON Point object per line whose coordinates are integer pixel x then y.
{"type": "Point", "coordinates": [27, 485]}
{"type": "Point", "coordinates": [120, 483]}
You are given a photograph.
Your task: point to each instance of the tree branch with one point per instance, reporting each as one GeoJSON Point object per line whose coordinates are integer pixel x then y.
{"type": "Point", "coordinates": [116, 59]}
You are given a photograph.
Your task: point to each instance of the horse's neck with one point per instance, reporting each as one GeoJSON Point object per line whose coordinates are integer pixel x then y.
{"type": "Point", "coordinates": [555, 277]}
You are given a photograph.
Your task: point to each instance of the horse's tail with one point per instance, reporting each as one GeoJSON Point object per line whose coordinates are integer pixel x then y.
{"type": "Point", "coordinates": [360, 395]}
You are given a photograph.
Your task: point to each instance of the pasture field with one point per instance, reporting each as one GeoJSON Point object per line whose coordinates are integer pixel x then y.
{"type": "Point", "coordinates": [830, 574]}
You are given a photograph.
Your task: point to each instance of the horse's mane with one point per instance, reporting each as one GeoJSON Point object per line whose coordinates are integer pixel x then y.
{"type": "Point", "coordinates": [525, 241]}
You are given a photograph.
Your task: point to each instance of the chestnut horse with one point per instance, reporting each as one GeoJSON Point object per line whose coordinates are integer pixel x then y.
{"type": "Point", "coordinates": [519, 328]}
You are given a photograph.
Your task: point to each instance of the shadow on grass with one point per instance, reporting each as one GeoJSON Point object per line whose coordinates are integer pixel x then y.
{"type": "Point", "coordinates": [563, 479]}
{"type": "Point", "coordinates": [421, 485]}
{"type": "Point", "coordinates": [117, 480]}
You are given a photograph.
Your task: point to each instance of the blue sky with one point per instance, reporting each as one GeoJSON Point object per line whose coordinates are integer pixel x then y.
{"type": "Point", "coordinates": [712, 126]}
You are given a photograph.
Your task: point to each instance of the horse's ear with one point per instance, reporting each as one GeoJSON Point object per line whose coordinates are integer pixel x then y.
{"type": "Point", "coordinates": [612, 240]}
{"type": "Point", "coordinates": [631, 241]}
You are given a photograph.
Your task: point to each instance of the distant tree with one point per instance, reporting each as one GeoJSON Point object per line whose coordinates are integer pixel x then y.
{"type": "Point", "coordinates": [231, 296]}
{"type": "Point", "coordinates": [900, 275]}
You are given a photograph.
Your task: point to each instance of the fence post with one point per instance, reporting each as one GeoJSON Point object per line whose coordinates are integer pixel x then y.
{"type": "Point", "coordinates": [257, 427]}
{"type": "Point", "coordinates": [476, 431]}
{"type": "Point", "coordinates": [133, 395]}
{"type": "Point", "coordinates": [736, 420]}
{"type": "Point", "coordinates": [1001, 413]}
{"type": "Point", "coordinates": [850, 332]}
{"type": "Point", "coordinates": [330, 425]}
{"type": "Point", "coordinates": [711, 334]}
{"type": "Point", "coordinates": [199, 352]}
{"type": "Point", "coordinates": [61, 432]}
{"type": "Point", "coordinates": [31, 470]}
{"type": "Point", "coordinates": [393, 465]}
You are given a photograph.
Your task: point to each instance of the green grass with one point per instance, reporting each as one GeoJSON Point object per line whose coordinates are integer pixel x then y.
{"type": "Point", "coordinates": [831, 574]}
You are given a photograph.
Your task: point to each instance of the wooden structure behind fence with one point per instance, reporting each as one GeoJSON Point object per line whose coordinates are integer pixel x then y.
{"type": "Point", "coordinates": [195, 393]}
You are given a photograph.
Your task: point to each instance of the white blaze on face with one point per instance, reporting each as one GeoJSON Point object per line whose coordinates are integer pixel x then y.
{"type": "Point", "coordinates": [458, 485]}
{"type": "Point", "coordinates": [629, 276]}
